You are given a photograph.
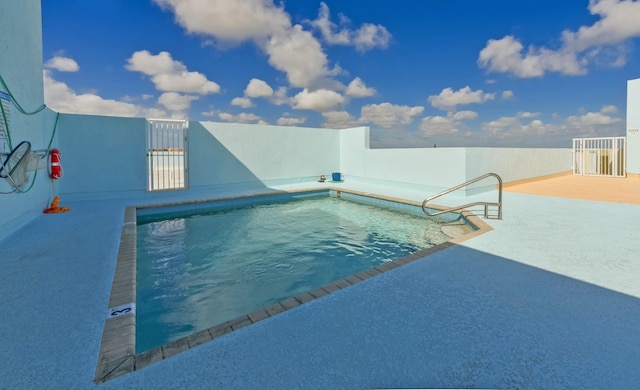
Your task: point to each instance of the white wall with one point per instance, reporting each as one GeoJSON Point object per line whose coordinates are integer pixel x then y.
{"type": "Point", "coordinates": [240, 153]}
{"type": "Point", "coordinates": [513, 164]}
{"type": "Point", "coordinates": [633, 126]}
{"type": "Point", "coordinates": [106, 156]}
{"type": "Point", "coordinates": [441, 168]}
{"type": "Point", "coordinates": [433, 168]}
{"type": "Point", "coordinates": [21, 69]}
{"type": "Point", "coordinates": [102, 154]}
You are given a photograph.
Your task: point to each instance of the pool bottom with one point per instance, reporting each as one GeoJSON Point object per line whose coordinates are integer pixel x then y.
{"type": "Point", "coordinates": [117, 355]}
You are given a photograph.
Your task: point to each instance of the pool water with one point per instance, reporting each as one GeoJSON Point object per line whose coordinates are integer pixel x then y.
{"type": "Point", "coordinates": [197, 271]}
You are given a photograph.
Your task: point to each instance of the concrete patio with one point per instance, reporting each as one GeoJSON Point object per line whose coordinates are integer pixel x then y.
{"type": "Point", "coordinates": [549, 299]}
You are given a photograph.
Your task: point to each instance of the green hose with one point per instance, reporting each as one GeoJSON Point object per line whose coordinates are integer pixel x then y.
{"type": "Point", "coordinates": [21, 110]}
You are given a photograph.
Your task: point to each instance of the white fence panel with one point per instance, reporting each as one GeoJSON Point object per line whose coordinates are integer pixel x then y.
{"type": "Point", "coordinates": [600, 156]}
{"type": "Point", "coordinates": [167, 154]}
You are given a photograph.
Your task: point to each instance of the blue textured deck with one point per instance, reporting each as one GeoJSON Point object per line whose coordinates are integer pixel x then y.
{"type": "Point", "coordinates": [549, 299]}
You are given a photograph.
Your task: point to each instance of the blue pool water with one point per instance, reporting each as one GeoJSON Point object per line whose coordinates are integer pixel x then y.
{"type": "Point", "coordinates": [197, 271]}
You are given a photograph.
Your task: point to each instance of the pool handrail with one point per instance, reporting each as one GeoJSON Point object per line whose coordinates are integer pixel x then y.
{"type": "Point", "coordinates": [456, 208]}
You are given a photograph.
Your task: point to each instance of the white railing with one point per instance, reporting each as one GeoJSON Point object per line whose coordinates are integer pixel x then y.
{"type": "Point", "coordinates": [486, 205]}
{"type": "Point", "coordinates": [600, 156]}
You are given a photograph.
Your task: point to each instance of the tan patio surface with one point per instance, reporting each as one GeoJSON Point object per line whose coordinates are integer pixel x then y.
{"type": "Point", "coordinates": [566, 185]}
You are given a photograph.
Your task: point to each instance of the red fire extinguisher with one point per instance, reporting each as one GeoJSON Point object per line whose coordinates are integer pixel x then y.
{"type": "Point", "coordinates": [56, 168]}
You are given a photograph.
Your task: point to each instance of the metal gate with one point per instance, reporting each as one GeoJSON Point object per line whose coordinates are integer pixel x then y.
{"type": "Point", "coordinates": [166, 154]}
{"type": "Point", "coordinates": [600, 156]}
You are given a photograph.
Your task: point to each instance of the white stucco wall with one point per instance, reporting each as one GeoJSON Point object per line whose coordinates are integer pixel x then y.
{"type": "Point", "coordinates": [241, 153]}
{"type": "Point", "coordinates": [513, 164]}
{"type": "Point", "coordinates": [433, 168]}
{"type": "Point", "coordinates": [106, 156]}
{"type": "Point", "coordinates": [633, 126]}
{"type": "Point", "coordinates": [102, 154]}
{"type": "Point", "coordinates": [21, 69]}
{"type": "Point", "coordinates": [441, 168]}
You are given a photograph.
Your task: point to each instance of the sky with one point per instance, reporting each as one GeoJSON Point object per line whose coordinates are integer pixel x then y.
{"type": "Point", "coordinates": [504, 73]}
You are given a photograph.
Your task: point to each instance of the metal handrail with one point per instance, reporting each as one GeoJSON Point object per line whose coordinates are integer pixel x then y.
{"type": "Point", "coordinates": [485, 204]}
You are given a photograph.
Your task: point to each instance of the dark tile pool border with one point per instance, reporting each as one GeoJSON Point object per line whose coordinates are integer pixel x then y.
{"type": "Point", "coordinates": [117, 355]}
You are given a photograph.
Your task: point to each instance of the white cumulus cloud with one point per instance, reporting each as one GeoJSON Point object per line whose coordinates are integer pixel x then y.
{"type": "Point", "coordinates": [321, 100]}
{"type": "Point", "coordinates": [62, 64]}
{"type": "Point", "coordinates": [231, 21]}
{"type": "Point", "coordinates": [448, 99]}
{"type": "Point", "coordinates": [438, 125]}
{"type": "Point", "coordinates": [290, 49]}
{"type": "Point", "coordinates": [170, 75]}
{"type": "Point", "coordinates": [242, 102]}
{"type": "Point", "coordinates": [289, 121]}
{"type": "Point", "coordinates": [618, 22]}
{"type": "Point", "coordinates": [258, 88]}
{"type": "Point", "coordinates": [358, 89]}
{"type": "Point", "coordinates": [339, 120]}
{"type": "Point", "coordinates": [176, 102]}
{"type": "Point", "coordinates": [60, 97]}
{"type": "Point", "coordinates": [299, 55]}
{"type": "Point", "coordinates": [366, 37]}
{"type": "Point", "coordinates": [388, 115]}
{"type": "Point", "coordinates": [446, 125]}
{"type": "Point", "coordinates": [241, 118]}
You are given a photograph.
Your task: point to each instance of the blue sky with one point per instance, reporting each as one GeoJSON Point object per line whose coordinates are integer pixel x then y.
{"type": "Point", "coordinates": [418, 73]}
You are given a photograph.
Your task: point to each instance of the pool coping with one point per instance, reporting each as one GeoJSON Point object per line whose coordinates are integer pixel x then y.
{"type": "Point", "coordinates": [117, 355]}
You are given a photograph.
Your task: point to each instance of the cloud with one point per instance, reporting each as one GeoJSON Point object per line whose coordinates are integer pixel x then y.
{"type": "Point", "coordinates": [505, 56]}
{"type": "Point", "coordinates": [242, 102]}
{"type": "Point", "coordinates": [258, 88]}
{"type": "Point", "coordinates": [590, 124]}
{"type": "Point", "coordinates": [527, 114]}
{"type": "Point", "coordinates": [602, 42]}
{"type": "Point", "coordinates": [339, 120]}
{"type": "Point", "coordinates": [59, 97]}
{"type": "Point", "coordinates": [62, 64]}
{"type": "Point", "coordinates": [449, 125]}
{"type": "Point", "coordinates": [240, 118]}
{"type": "Point", "coordinates": [229, 21]}
{"type": "Point", "coordinates": [280, 97]}
{"type": "Point", "coordinates": [438, 125]}
{"type": "Point", "coordinates": [358, 89]}
{"type": "Point", "coordinates": [388, 115]}
{"type": "Point", "coordinates": [211, 112]}
{"type": "Point", "coordinates": [290, 49]}
{"type": "Point", "coordinates": [618, 22]}
{"type": "Point", "coordinates": [448, 99]}
{"type": "Point", "coordinates": [175, 102]}
{"type": "Point", "coordinates": [170, 75]}
{"type": "Point", "coordinates": [609, 109]}
{"type": "Point", "coordinates": [288, 121]}
{"type": "Point", "coordinates": [368, 36]}
{"type": "Point", "coordinates": [465, 115]}
{"type": "Point", "coordinates": [506, 95]}
{"type": "Point", "coordinates": [321, 100]}
{"type": "Point", "coordinates": [592, 119]}
{"type": "Point", "coordinates": [299, 55]}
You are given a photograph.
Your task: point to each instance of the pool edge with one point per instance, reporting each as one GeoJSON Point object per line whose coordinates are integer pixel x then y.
{"type": "Point", "coordinates": [117, 355]}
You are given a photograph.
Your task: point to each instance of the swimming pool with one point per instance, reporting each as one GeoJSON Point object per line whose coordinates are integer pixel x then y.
{"type": "Point", "coordinates": [119, 352]}
{"type": "Point", "coordinates": [206, 266]}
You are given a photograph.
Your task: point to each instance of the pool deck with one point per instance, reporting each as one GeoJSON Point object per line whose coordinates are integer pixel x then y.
{"type": "Point", "coordinates": [548, 299]}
